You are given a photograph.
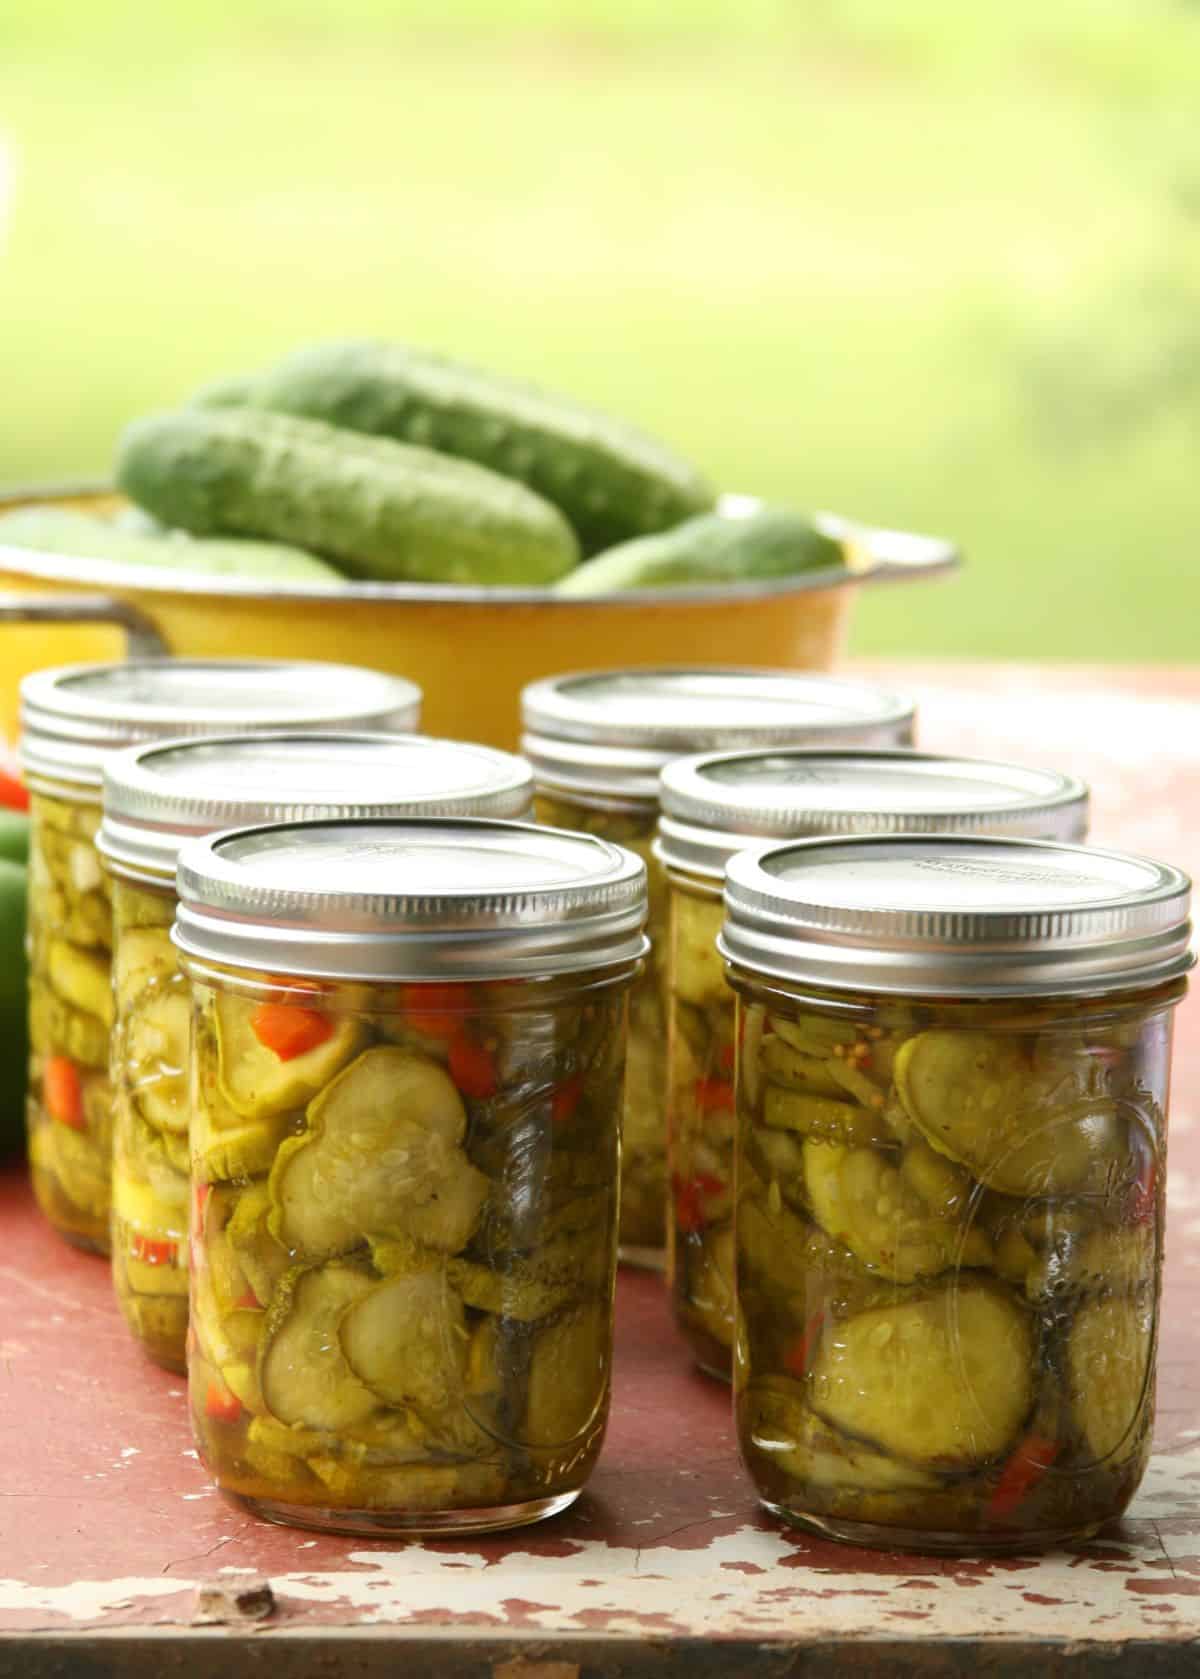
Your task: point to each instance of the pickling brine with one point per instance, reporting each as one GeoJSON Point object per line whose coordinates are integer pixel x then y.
{"type": "Point", "coordinates": [644, 1136]}
{"type": "Point", "coordinates": [950, 1206]}
{"type": "Point", "coordinates": [948, 1260]}
{"type": "Point", "coordinates": [70, 1017]}
{"type": "Point", "coordinates": [701, 1057]}
{"type": "Point", "coordinates": [150, 1163]}
{"type": "Point", "coordinates": [404, 1241]}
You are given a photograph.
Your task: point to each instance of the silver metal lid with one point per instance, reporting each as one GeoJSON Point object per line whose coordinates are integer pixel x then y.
{"type": "Point", "coordinates": [392, 900]}
{"type": "Point", "coordinates": [73, 716]}
{"type": "Point", "coordinates": [956, 916]}
{"type": "Point", "coordinates": [157, 796]}
{"type": "Point", "coordinates": [717, 804]}
{"type": "Point", "coordinates": [608, 733]}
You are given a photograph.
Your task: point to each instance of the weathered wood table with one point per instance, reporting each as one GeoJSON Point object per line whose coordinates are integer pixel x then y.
{"type": "Point", "coordinates": [110, 1531]}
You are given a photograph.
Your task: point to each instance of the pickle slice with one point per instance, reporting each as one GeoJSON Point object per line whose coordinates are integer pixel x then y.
{"type": "Point", "coordinates": [795, 1070]}
{"type": "Point", "coordinates": [944, 1381]}
{"type": "Point", "coordinates": [303, 1372]}
{"type": "Point", "coordinates": [522, 1292]}
{"type": "Point", "coordinates": [78, 1162]}
{"type": "Point", "coordinates": [860, 1199]}
{"type": "Point", "coordinates": [406, 1340]}
{"type": "Point", "coordinates": [823, 1117]}
{"type": "Point", "coordinates": [143, 955]}
{"type": "Point", "coordinates": [380, 1157]}
{"type": "Point", "coordinates": [782, 1426]}
{"type": "Point", "coordinates": [978, 1098]}
{"type": "Point", "coordinates": [81, 979]}
{"type": "Point", "coordinates": [566, 1386]}
{"type": "Point", "coordinates": [260, 1256]}
{"type": "Point", "coordinates": [255, 1082]}
{"type": "Point", "coordinates": [1108, 1363]}
{"type": "Point", "coordinates": [156, 1032]}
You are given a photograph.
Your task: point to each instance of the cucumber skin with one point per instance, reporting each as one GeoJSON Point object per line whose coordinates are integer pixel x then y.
{"type": "Point", "coordinates": [611, 481]}
{"type": "Point", "coordinates": [378, 509]}
{"type": "Point", "coordinates": [709, 549]}
{"type": "Point", "coordinates": [61, 530]}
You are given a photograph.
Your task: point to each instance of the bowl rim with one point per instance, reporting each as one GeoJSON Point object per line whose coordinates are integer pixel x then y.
{"type": "Point", "coordinates": [875, 554]}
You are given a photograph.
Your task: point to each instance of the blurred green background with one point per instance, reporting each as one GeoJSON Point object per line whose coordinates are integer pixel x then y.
{"type": "Point", "coordinates": [933, 263]}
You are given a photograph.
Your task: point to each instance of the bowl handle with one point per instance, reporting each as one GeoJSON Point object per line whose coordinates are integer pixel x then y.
{"type": "Point", "coordinates": [887, 556]}
{"type": "Point", "coordinates": [142, 637]}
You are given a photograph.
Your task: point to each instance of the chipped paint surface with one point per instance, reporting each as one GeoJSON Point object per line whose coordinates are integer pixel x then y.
{"type": "Point", "coordinates": [107, 1519]}
{"type": "Point", "coordinates": [740, 1576]}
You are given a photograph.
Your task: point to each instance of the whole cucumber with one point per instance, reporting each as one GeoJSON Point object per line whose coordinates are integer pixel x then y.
{"type": "Point", "coordinates": [710, 549]}
{"type": "Point", "coordinates": [378, 508]}
{"type": "Point", "coordinates": [609, 479]}
{"type": "Point", "coordinates": [62, 530]}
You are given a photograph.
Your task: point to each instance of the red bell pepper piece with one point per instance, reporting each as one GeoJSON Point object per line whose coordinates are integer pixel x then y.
{"type": "Point", "coordinates": [714, 1095]}
{"type": "Point", "coordinates": [565, 1099]}
{"type": "Point", "coordinates": [690, 1196]}
{"type": "Point", "coordinates": [473, 1068]}
{"type": "Point", "coordinates": [1143, 1194]}
{"type": "Point", "coordinates": [290, 1029]}
{"type": "Point", "coordinates": [13, 793]}
{"type": "Point", "coordinates": [62, 1092]}
{"type": "Point", "coordinates": [799, 1356]}
{"type": "Point", "coordinates": [1024, 1469]}
{"type": "Point", "coordinates": [435, 1010]}
{"type": "Point", "coordinates": [154, 1250]}
{"type": "Point", "coordinates": [220, 1403]}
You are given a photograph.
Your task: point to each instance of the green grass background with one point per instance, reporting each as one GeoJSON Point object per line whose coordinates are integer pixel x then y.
{"type": "Point", "coordinates": [933, 263]}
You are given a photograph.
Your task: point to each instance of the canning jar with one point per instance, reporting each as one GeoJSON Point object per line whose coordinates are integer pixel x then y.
{"type": "Point", "coordinates": [72, 718]}
{"type": "Point", "coordinates": [409, 1042]}
{"type": "Point", "coordinates": [155, 797]}
{"type": "Point", "coordinates": [597, 741]}
{"type": "Point", "coordinates": [948, 1263]}
{"type": "Point", "coordinates": [714, 806]}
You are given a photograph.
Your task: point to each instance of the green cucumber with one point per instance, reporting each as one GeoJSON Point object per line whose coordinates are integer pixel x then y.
{"type": "Point", "coordinates": [380, 509]}
{"type": "Point", "coordinates": [60, 530]}
{"type": "Point", "coordinates": [610, 480]}
{"type": "Point", "coordinates": [712, 548]}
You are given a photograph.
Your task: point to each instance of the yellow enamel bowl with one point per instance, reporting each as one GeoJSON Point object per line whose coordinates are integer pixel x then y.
{"type": "Point", "coordinates": [471, 650]}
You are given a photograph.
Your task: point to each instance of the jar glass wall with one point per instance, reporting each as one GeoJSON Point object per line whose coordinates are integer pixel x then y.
{"type": "Point", "coordinates": [644, 1139]}
{"type": "Point", "coordinates": [403, 1244]}
{"type": "Point", "coordinates": [69, 1108]}
{"type": "Point", "coordinates": [150, 1163]}
{"type": "Point", "coordinates": [701, 1036]}
{"type": "Point", "coordinates": [949, 1235]}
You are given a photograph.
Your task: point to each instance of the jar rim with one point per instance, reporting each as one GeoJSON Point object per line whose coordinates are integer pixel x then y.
{"type": "Point", "coordinates": [410, 899]}
{"type": "Point", "coordinates": [956, 915]}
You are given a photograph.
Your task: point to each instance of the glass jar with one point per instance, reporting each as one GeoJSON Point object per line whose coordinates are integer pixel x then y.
{"type": "Point", "coordinates": [72, 717]}
{"type": "Point", "coordinates": [597, 741]}
{"type": "Point", "coordinates": [407, 1060]}
{"type": "Point", "coordinates": [952, 1090]}
{"type": "Point", "coordinates": [155, 797]}
{"type": "Point", "coordinates": [714, 806]}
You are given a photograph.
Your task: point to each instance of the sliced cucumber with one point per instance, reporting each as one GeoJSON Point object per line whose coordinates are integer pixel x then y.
{"type": "Point", "coordinates": [303, 1372]}
{"type": "Point", "coordinates": [946, 1381]}
{"type": "Point", "coordinates": [380, 1158]}
{"type": "Point", "coordinates": [255, 1082]}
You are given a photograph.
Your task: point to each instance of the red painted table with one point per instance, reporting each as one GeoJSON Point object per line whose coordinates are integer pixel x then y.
{"type": "Point", "coordinates": [110, 1531]}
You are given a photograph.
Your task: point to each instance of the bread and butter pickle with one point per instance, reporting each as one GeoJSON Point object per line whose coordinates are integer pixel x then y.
{"type": "Point", "coordinates": [404, 1176]}
{"type": "Point", "coordinates": [946, 1302]}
